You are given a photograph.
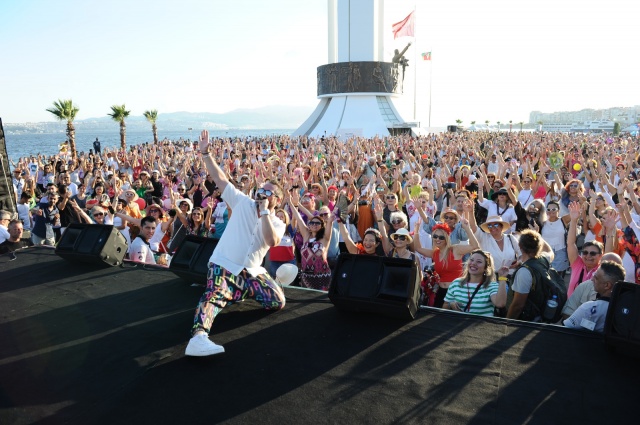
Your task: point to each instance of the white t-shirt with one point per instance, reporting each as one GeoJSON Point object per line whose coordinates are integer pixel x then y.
{"type": "Point", "coordinates": [140, 252]}
{"type": "Point", "coordinates": [591, 311]}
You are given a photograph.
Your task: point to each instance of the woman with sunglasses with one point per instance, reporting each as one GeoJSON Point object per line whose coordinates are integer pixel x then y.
{"type": "Point", "coordinates": [477, 291]}
{"type": "Point", "coordinates": [315, 271]}
{"type": "Point", "coordinates": [552, 228]}
{"type": "Point", "coordinates": [499, 205]}
{"type": "Point", "coordinates": [583, 263]}
{"type": "Point", "coordinates": [401, 241]}
{"type": "Point", "coordinates": [447, 258]}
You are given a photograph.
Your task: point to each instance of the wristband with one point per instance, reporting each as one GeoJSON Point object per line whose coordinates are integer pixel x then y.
{"type": "Point", "coordinates": [380, 221]}
{"type": "Point", "coordinates": [264, 212]}
{"type": "Point", "coordinates": [207, 153]}
{"type": "Point", "coordinates": [502, 279]}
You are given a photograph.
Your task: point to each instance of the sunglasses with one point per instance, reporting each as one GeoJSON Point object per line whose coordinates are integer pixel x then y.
{"type": "Point", "coordinates": [315, 223]}
{"type": "Point", "coordinates": [450, 217]}
{"type": "Point", "coordinates": [390, 197]}
{"type": "Point", "coordinates": [396, 221]}
{"type": "Point", "coordinates": [324, 215]}
{"type": "Point", "coordinates": [400, 238]}
{"type": "Point", "coordinates": [552, 209]}
{"type": "Point", "coordinates": [599, 198]}
{"type": "Point", "coordinates": [154, 211]}
{"type": "Point", "coordinates": [526, 181]}
{"type": "Point", "coordinates": [590, 253]}
{"type": "Point", "coordinates": [264, 192]}
{"type": "Point", "coordinates": [98, 214]}
{"type": "Point", "coordinates": [497, 187]}
{"type": "Point", "coordinates": [441, 237]}
{"type": "Point", "coordinates": [494, 225]}
{"type": "Point", "coordinates": [573, 185]}
{"type": "Point", "coordinates": [184, 205]}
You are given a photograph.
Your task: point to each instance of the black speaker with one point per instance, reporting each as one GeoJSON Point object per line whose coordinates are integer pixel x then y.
{"type": "Point", "coordinates": [191, 260]}
{"type": "Point", "coordinates": [92, 243]}
{"type": "Point", "coordinates": [452, 128]}
{"type": "Point", "coordinates": [622, 324]}
{"type": "Point", "coordinates": [388, 286]}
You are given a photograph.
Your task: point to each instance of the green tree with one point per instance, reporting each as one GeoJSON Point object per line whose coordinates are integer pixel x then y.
{"type": "Point", "coordinates": [65, 110]}
{"type": "Point", "coordinates": [458, 121]}
{"type": "Point", "coordinates": [616, 128]}
{"type": "Point", "coordinates": [486, 122]}
{"type": "Point", "coordinates": [152, 117]}
{"type": "Point", "coordinates": [473, 123]}
{"type": "Point", "coordinates": [118, 114]}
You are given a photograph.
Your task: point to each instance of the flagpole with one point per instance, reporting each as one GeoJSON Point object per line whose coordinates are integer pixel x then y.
{"type": "Point", "coordinates": [430, 79]}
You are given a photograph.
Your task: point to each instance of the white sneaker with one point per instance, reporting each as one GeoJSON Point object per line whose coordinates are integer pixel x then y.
{"type": "Point", "coordinates": [200, 346]}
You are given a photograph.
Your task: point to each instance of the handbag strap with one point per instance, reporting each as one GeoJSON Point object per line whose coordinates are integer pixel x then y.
{"type": "Point", "coordinates": [466, 308]}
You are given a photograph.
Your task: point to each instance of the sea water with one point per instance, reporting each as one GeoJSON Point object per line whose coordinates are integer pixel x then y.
{"type": "Point", "coordinates": [26, 144]}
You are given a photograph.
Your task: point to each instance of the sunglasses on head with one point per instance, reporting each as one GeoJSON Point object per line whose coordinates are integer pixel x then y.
{"type": "Point", "coordinates": [400, 238]}
{"type": "Point", "coordinates": [590, 253]}
{"type": "Point", "coordinates": [441, 237]}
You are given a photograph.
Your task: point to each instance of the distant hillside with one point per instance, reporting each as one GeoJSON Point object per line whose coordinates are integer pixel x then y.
{"type": "Point", "coordinates": [269, 117]}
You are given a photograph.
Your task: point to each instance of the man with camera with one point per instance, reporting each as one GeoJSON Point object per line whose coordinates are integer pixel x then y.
{"type": "Point", "coordinates": [235, 272]}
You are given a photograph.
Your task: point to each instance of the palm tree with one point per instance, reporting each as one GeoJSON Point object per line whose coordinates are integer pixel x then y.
{"type": "Point", "coordinates": [152, 117]}
{"type": "Point", "coordinates": [486, 122]}
{"type": "Point", "coordinates": [521, 124]}
{"type": "Point", "coordinates": [65, 110]}
{"type": "Point", "coordinates": [473, 123]}
{"type": "Point", "coordinates": [119, 113]}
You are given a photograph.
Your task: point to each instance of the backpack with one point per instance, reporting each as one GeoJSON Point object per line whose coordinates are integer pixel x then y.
{"type": "Point", "coordinates": [546, 282]}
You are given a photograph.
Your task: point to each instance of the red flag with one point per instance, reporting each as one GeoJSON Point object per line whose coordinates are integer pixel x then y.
{"type": "Point", "coordinates": [404, 27]}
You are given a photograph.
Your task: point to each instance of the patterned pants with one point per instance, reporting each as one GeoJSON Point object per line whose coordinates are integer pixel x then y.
{"type": "Point", "coordinates": [224, 288]}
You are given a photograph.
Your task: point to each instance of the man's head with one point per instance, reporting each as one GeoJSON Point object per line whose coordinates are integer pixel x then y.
{"type": "Point", "coordinates": [15, 230]}
{"type": "Point", "coordinates": [147, 227]}
{"type": "Point", "coordinates": [5, 218]}
{"type": "Point", "coordinates": [606, 277]}
{"type": "Point", "coordinates": [530, 243]}
{"type": "Point", "coordinates": [271, 191]}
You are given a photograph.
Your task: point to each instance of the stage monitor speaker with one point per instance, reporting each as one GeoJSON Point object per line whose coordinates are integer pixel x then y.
{"type": "Point", "coordinates": [388, 286]}
{"type": "Point", "coordinates": [622, 324]}
{"type": "Point", "coordinates": [191, 259]}
{"type": "Point", "coordinates": [96, 244]}
{"type": "Point", "coordinates": [452, 128]}
{"type": "Point", "coordinates": [7, 201]}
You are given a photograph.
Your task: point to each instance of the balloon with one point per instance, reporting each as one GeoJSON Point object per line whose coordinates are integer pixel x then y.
{"type": "Point", "coordinates": [577, 167]}
{"type": "Point", "coordinates": [141, 203]}
{"type": "Point", "coordinates": [286, 273]}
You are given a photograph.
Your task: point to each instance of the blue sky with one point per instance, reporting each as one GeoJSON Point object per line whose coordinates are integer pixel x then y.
{"type": "Point", "coordinates": [494, 60]}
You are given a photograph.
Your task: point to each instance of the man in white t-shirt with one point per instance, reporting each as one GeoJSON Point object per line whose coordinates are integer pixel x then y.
{"type": "Point", "coordinates": [140, 250]}
{"type": "Point", "coordinates": [235, 271]}
{"type": "Point", "coordinates": [532, 246]}
{"type": "Point", "coordinates": [592, 314]}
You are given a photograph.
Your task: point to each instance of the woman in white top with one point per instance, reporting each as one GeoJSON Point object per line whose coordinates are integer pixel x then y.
{"type": "Point", "coordinates": [553, 232]}
{"type": "Point", "coordinates": [492, 237]}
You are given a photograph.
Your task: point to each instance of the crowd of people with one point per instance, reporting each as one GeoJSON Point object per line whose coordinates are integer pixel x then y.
{"type": "Point", "coordinates": [477, 212]}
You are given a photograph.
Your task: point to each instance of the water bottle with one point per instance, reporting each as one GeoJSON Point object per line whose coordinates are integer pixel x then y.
{"type": "Point", "coordinates": [550, 310]}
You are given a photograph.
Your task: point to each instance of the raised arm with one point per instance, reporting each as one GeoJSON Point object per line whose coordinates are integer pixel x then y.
{"type": "Point", "coordinates": [212, 168]}
{"type": "Point", "coordinates": [572, 248]}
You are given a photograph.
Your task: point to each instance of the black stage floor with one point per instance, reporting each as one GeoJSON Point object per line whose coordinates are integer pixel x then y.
{"type": "Point", "coordinates": [86, 346]}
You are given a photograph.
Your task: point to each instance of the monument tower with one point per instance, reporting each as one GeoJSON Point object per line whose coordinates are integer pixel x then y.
{"type": "Point", "coordinates": [357, 86]}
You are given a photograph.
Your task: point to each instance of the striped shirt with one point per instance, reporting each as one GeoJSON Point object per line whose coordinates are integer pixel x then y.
{"type": "Point", "coordinates": [481, 304]}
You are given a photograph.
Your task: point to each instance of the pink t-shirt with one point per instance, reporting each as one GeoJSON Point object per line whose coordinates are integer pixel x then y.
{"type": "Point", "coordinates": [578, 268]}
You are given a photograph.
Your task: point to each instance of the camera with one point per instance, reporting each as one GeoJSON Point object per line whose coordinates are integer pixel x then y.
{"type": "Point", "coordinates": [449, 185]}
